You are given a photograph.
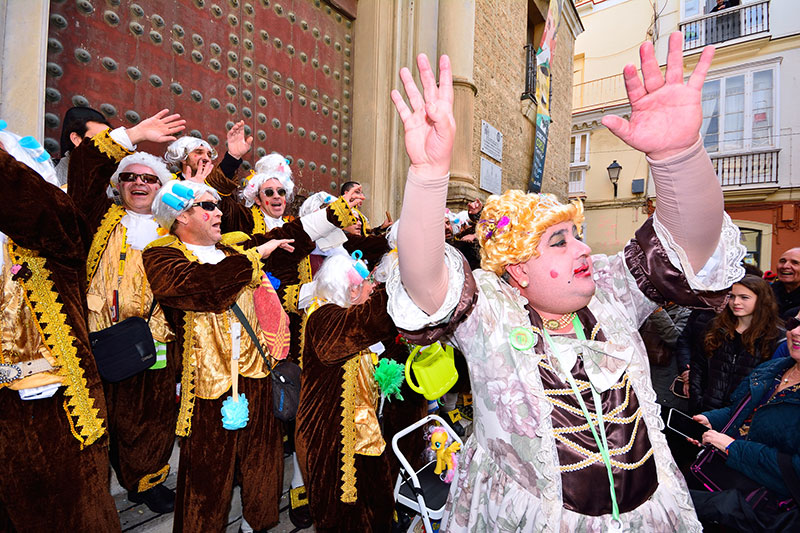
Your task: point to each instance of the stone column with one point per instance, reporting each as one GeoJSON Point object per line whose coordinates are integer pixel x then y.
{"type": "Point", "coordinates": [457, 40]}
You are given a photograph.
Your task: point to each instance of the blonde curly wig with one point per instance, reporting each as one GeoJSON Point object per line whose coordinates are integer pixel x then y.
{"type": "Point", "coordinates": [529, 215]}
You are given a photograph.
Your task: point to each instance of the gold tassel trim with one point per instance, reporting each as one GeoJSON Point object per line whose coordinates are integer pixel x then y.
{"type": "Point", "coordinates": [151, 480]}
{"type": "Point", "coordinates": [291, 296]}
{"type": "Point", "coordinates": [109, 147]}
{"type": "Point", "coordinates": [349, 434]}
{"type": "Point", "coordinates": [100, 241]}
{"type": "Point", "coordinates": [51, 321]}
{"type": "Point", "coordinates": [183, 427]}
{"type": "Point", "coordinates": [259, 225]}
{"type": "Point", "coordinates": [304, 270]}
{"type": "Point", "coordinates": [342, 212]}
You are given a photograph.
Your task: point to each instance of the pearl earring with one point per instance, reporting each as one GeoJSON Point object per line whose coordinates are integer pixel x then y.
{"type": "Point", "coordinates": [523, 284]}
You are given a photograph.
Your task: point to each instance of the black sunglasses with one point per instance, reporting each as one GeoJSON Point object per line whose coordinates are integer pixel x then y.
{"type": "Point", "coordinates": [146, 178]}
{"type": "Point", "coordinates": [792, 323]}
{"type": "Point", "coordinates": [269, 193]}
{"type": "Point", "coordinates": [207, 205]}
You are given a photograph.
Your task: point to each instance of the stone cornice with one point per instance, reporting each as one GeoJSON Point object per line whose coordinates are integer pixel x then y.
{"type": "Point", "coordinates": [589, 120]}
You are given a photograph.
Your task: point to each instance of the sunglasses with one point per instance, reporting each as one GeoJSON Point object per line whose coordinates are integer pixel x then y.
{"type": "Point", "coordinates": [128, 177]}
{"type": "Point", "coordinates": [677, 387]}
{"type": "Point", "coordinates": [792, 323]}
{"type": "Point", "coordinates": [269, 193]}
{"type": "Point", "coordinates": [206, 206]}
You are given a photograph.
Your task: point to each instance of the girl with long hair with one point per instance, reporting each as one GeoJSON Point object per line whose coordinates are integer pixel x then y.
{"type": "Point", "coordinates": [738, 339]}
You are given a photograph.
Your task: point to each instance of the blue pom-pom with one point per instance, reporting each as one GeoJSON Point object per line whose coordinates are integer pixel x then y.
{"type": "Point", "coordinates": [235, 415]}
{"type": "Point", "coordinates": [276, 283]}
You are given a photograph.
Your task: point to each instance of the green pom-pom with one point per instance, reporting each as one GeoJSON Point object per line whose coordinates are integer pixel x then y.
{"type": "Point", "coordinates": [390, 375]}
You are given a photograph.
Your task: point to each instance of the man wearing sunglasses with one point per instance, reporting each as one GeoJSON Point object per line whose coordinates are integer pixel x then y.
{"type": "Point", "coordinates": [197, 274]}
{"type": "Point", "coordinates": [141, 409]}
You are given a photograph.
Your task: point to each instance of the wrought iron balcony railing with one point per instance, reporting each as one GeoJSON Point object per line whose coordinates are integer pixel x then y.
{"type": "Point", "coordinates": [754, 168]}
{"type": "Point", "coordinates": [726, 25]}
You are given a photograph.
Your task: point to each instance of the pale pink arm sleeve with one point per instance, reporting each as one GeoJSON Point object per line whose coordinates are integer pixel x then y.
{"type": "Point", "coordinates": [689, 202]}
{"type": "Point", "coordinates": [420, 241]}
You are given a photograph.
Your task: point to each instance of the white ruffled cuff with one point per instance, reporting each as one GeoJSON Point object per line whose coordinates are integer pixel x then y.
{"type": "Point", "coordinates": [406, 314]}
{"type": "Point", "coordinates": [722, 269]}
{"type": "Point", "coordinates": [120, 136]}
{"type": "Point", "coordinates": [322, 232]}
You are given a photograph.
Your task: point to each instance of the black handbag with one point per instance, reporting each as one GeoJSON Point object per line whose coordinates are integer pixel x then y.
{"type": "Point", "coordinates": [285, 376]}
{"type": "Point", "coordinates": [124, 349]}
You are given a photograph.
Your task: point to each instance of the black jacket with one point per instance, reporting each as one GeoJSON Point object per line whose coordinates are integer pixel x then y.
{"type": "Point", "coordinates": [713, 379]}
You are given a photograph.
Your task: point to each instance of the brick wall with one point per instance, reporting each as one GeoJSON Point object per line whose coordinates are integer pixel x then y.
{"type": "Point", "coordinates": [499, 74]}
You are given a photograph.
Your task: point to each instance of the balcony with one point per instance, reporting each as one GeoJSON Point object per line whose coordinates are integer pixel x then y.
{"type": "Point", "coordinates": [577, 182]}
{"type": "Point", "coordinates": [726, 25]}
{"type": "Point", "coordinates": [753, 168]}
{"type": "Point", "coordinates": [606, 91]}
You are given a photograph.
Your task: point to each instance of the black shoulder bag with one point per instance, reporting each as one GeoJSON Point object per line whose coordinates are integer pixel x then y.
{"type": "Point", "coordinates": [285, 376]}
{"type": "Point", "coordinates": [125, 349]}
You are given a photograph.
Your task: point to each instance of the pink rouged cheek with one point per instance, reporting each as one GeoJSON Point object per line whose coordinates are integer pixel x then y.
{"type": "Point", "coordinates": [206, 217]}
{"type": "Point", "coordinates": [553, 274]}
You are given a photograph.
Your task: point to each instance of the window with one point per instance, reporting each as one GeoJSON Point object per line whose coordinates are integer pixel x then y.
{"type": "Point", "coordinates": [692, 8]}
{"type": "Point", "coordinates": [579, 150]}
{"type": "Point", "coordinates": [739, 111]}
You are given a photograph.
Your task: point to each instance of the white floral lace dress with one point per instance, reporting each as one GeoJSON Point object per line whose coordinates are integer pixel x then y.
{"type": "Point", "coordinates": [509, 478]}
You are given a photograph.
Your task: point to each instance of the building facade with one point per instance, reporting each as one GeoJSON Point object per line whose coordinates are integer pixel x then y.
{"type": "Point", "coordinates": [310, 78]}
{"type": "Point", "coordinates": [749, 129]}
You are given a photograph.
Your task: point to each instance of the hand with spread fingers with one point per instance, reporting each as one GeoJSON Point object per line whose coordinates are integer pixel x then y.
{"type": "Point", "coordinates": [429, 125]}
{"type": "Point", "coordinates": [204, 169]}
{"type": "Point", "coordinates": [159, 128]}
{"type": "Point", "coordinates": [238, 145]}
{"type": "Point", "coordinates": [666, 113]}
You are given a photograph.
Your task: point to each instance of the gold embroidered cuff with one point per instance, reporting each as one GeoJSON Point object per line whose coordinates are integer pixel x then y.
{"type": "Point", "coordinates": [151, 480]}
{"type": "Point", "coordinates": [291, 295]}
{"type": "Point", "coordinates": [341, 213]}
{"type": "Point", "coordinates": [255, 259]}
{"type": "Point", "coordinates": [109, 146]}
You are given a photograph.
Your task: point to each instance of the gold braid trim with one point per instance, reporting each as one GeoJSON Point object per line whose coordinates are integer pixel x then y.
{"type": "Point", "coordinates": [183, 427]}
{"type": "Point", "coordinates": [234, 237]}
{"type": "Point", "coordinates": [349, 434]}
{"type": "Point", "coordinates": [151, 480]}
{"type": "Point", "coordinates": [343, 212]}
{"type": "Point", "coordinates": [46, 311]}
{"type": "Point", "coordinates": [101, 237]}
{"type": "Point", "coordinates": [291, 295]}
{"type": "Point", "coordinates": [259, 225]}
{"type": "Point", "coordinates": [109, 146]}
{"type": "Point", "coordinates": [304, 270]}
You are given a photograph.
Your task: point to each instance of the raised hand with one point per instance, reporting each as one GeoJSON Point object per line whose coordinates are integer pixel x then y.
{"type": "Point", "coordinates": [237, 144]}
{"type": "Point", "coordinates": [666, 114]}
{"type": "Point", "coordinates": [429, 125]}
{"type": "Point", "coordinates": [204, 168]}
{"type": "Point", "coordinates": [160, 128]}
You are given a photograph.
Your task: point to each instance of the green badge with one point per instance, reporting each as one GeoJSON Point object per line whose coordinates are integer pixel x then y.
{"type": "Point", "coordinates": [522, 338]}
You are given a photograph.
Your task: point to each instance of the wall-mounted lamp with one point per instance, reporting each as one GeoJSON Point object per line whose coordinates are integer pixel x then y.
{"type": "Point", "coordinates": [613, 174]}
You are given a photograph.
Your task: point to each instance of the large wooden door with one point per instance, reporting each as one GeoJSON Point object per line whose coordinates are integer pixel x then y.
{"type": "Point", "coordinates": [284, 67]}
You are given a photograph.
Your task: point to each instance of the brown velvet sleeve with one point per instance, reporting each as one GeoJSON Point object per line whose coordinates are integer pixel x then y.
{"type": "Point", "coordinates": [282, 263]}
{"type": "Point", "coordinates": [659, 279]}
{"type": "Point", "coordinates": [91, 165]}
{"type": "Point", "coordinates": [337, 333]}
{"type": "Point", "coordinates": [372, 246]}
{"type": "Point", "coordinates": [219, 181]}
{"type": "Point", "coordinates": [469, 296]}
{"type": "Point", "coordinates": [339, 213]}
{"type": "Point", "coordinates": [42, 217]}
{"type": "Point", "coordinates": [191, 286]}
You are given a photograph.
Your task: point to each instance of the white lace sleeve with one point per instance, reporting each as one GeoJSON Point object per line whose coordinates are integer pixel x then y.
{"type": "Point", "coordinates": [724, 267]}
{"type": "Point", "coordinates": [405, 313]}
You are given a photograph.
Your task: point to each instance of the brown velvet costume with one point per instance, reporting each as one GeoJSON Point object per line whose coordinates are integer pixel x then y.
{"type": "Point", "coordinates": [141, 409]}
{"type": "Point", "coordinates": [213, 458]}
{"type": "Point", "coordinates": [53, 455]}
{"type": "Point", "coordinates": [335, 336]}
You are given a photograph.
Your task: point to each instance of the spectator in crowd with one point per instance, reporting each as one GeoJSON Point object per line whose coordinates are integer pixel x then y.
{"type": "Point", "coordinates": [762, 443]}
{"type": "Point", "coordinates": [787, 287]}
{"type": "Point", "coordinates": [53, 450]}
{"type": "Point", "coordinates": [141, 409]}
{"type": "Point", "coordinates": [738, 339]}
{"type": "Point", "coordinates": [354, 194]}
{"type": "Point", "coordinates": [79, 123]}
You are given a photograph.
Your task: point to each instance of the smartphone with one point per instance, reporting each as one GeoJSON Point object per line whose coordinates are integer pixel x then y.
{"type": "Point", "coordinates": [683, 424]}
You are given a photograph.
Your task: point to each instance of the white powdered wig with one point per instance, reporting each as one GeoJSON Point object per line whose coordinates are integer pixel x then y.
{"type": "Point", "coordinates": [179, 150]}
{"type": "Point", "coordinates": [270, 166]}
{"type": "Point", "coordinates": [156, 164]}
{"type": "Point", "coordinates": [333, 280]}
{"type": "Point", "coordinates": [172, 200]}
{"type": "Point", "coordinates": [29, 152]}
{"type": "Point", "coordinates": [315, 202]}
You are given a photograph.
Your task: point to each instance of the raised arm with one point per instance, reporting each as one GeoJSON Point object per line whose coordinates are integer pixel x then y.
{"type": "Point", "coordinates": [429, 134]}
{"type": "Point", "coordinates": [666, 115]}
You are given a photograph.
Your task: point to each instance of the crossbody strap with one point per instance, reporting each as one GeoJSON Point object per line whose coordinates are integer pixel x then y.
{"type": "Point", "coordinates": [249, 329]}
{"type": "Point", "coordinates": [737, 412]}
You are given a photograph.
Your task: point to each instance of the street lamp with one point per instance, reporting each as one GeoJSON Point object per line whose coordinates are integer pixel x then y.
{"type": "Point", "coordinates": [613, 174]}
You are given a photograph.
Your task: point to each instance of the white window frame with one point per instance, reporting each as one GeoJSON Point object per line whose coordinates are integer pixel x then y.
{"type": "Point", "coordinates": [748, 71]}
{"type": "Point", "coordinates": [702, 6]}
{"type": "Point", "coordinates": [581, 139]}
